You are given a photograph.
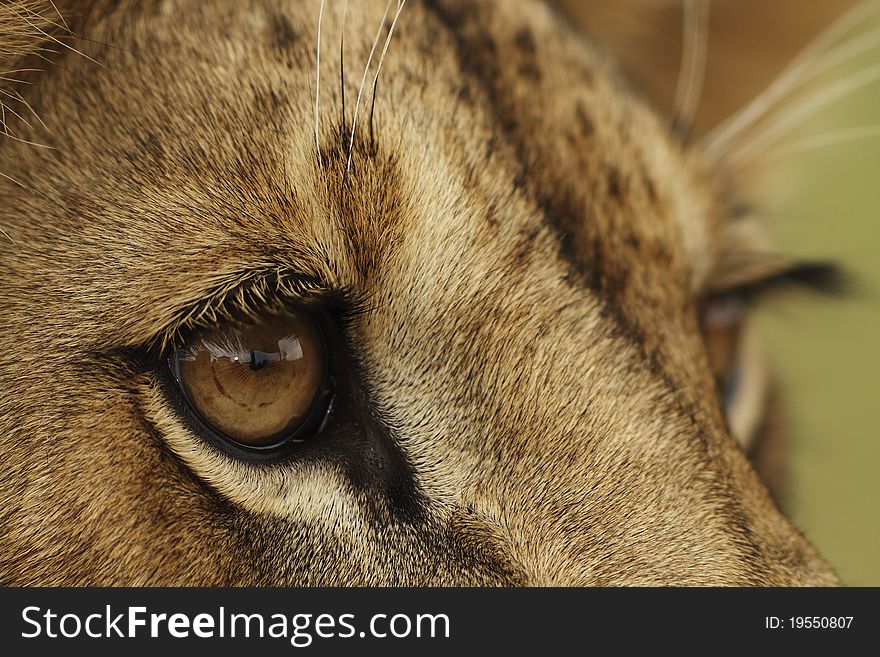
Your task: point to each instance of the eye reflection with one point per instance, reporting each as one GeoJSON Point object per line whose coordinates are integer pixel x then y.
{"type": "Point", "coordinates": [230, 346]}
{"type": "Point", "coordinates": [257, 385]}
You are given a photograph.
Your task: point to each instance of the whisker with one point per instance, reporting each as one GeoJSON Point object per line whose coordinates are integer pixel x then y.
{"type": "Point", "coordinates": [22, 70]}
{"type": "Point", "coordinates": [318, 88]}
{"type": "Point", "coordinates": [24, 28]}
{"type": "Point", "coordinates": [788, 121]}
{"type": "Point", "coordinates": [692, 74]}
{"type": "Point", "coordinates": [846, 52]}
{"type": "Point", "coordinates": [717, 141]}
{"type": "Point", "coordinates": [9, 135]}
{"type": "Point", "coordinates": [400, 6]}
{"type": "Point", "coordinates": [13, 112]}
{"type": "Point", "coordinates": [18, 97]}
{"type": "Point", "coordinates": [827, 140]}
{"type": "Point", "coordinates": [342, 61]}
{"type": "Point", "coordinates": [16, 182]}
{"type": "Point", "coordinates": [60, 16]}
{"type": "Point", "coordinates": [840, 55]}
{"type": "Point", "coordinates": [42, 18]}
{"type": "Point", "coordinates": [52, 38]}
{"type": "Point", "coordinates": [361, 89]}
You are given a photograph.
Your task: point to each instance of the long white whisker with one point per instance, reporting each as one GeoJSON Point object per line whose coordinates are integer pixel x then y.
{"type": "Point", "coordinates": [790, 120]}
{"type": "Point", "coordinates": [846, 52]}
{"type": "Point", "coordinates": [318, 88]}
{"type": "Point", "coordinates": [692, 74]}
{"type": "Point", "coordinates": [840, 55]}
{"type": "Point", "coordinates": [716, 141]}
{"type": "Point", "coordinates": [363, 81]}
{"type": "Point", "coordinates": [826, 140]}
{"type": "Point", "coordinates": [400, 6]}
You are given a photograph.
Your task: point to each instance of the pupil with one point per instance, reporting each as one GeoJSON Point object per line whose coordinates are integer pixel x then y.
{"type": "Point", "coordinates": [259, 360]}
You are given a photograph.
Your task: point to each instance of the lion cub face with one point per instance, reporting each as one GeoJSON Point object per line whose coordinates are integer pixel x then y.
{"type": "Point", "coordinates": [467, 345]}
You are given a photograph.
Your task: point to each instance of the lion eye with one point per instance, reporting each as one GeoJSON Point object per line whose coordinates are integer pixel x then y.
{"type": "Point", "coordinates": [722, 326]}
{"type": "Point", "coordinates": [722, 329]}
{"type": "Point", "coordinates": [259, 386]}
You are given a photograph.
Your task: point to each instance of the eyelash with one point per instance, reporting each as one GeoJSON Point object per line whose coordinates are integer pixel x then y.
{"type": "Point", "coordinates": [247, 301]}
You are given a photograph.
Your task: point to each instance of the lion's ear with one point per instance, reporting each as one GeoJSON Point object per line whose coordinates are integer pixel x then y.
{"type": "Point", "coordinates": [748, 42]}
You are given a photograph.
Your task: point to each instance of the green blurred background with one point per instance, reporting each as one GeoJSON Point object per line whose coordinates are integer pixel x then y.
{"type": "Point", "coordinates": [826, 350]}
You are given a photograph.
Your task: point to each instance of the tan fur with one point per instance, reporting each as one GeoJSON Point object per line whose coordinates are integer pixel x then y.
{"type": "Point", "coordinates": [528, 245]}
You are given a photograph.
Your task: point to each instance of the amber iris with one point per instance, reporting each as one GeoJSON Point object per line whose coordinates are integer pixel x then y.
{"type": "Point", "coordinates": [258, 384]}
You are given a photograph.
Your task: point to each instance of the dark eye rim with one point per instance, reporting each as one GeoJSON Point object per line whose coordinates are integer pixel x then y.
{"type": "Point", "coordinates": [312, 425]}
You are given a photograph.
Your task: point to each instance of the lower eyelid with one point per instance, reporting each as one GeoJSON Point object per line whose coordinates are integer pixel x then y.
{"type": "Point", "coordinates": [306, 489]}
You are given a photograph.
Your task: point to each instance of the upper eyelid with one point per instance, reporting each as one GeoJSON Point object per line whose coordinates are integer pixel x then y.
{"type": "Point", "coordinates": [244, 296]}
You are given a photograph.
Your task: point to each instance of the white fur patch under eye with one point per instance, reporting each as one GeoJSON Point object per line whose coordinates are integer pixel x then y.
{"type": "Point", "coordinates": [305, 491]}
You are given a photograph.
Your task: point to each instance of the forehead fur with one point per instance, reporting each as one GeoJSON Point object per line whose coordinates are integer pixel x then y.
{"type": "Point", "coordinates": [179, 128]}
